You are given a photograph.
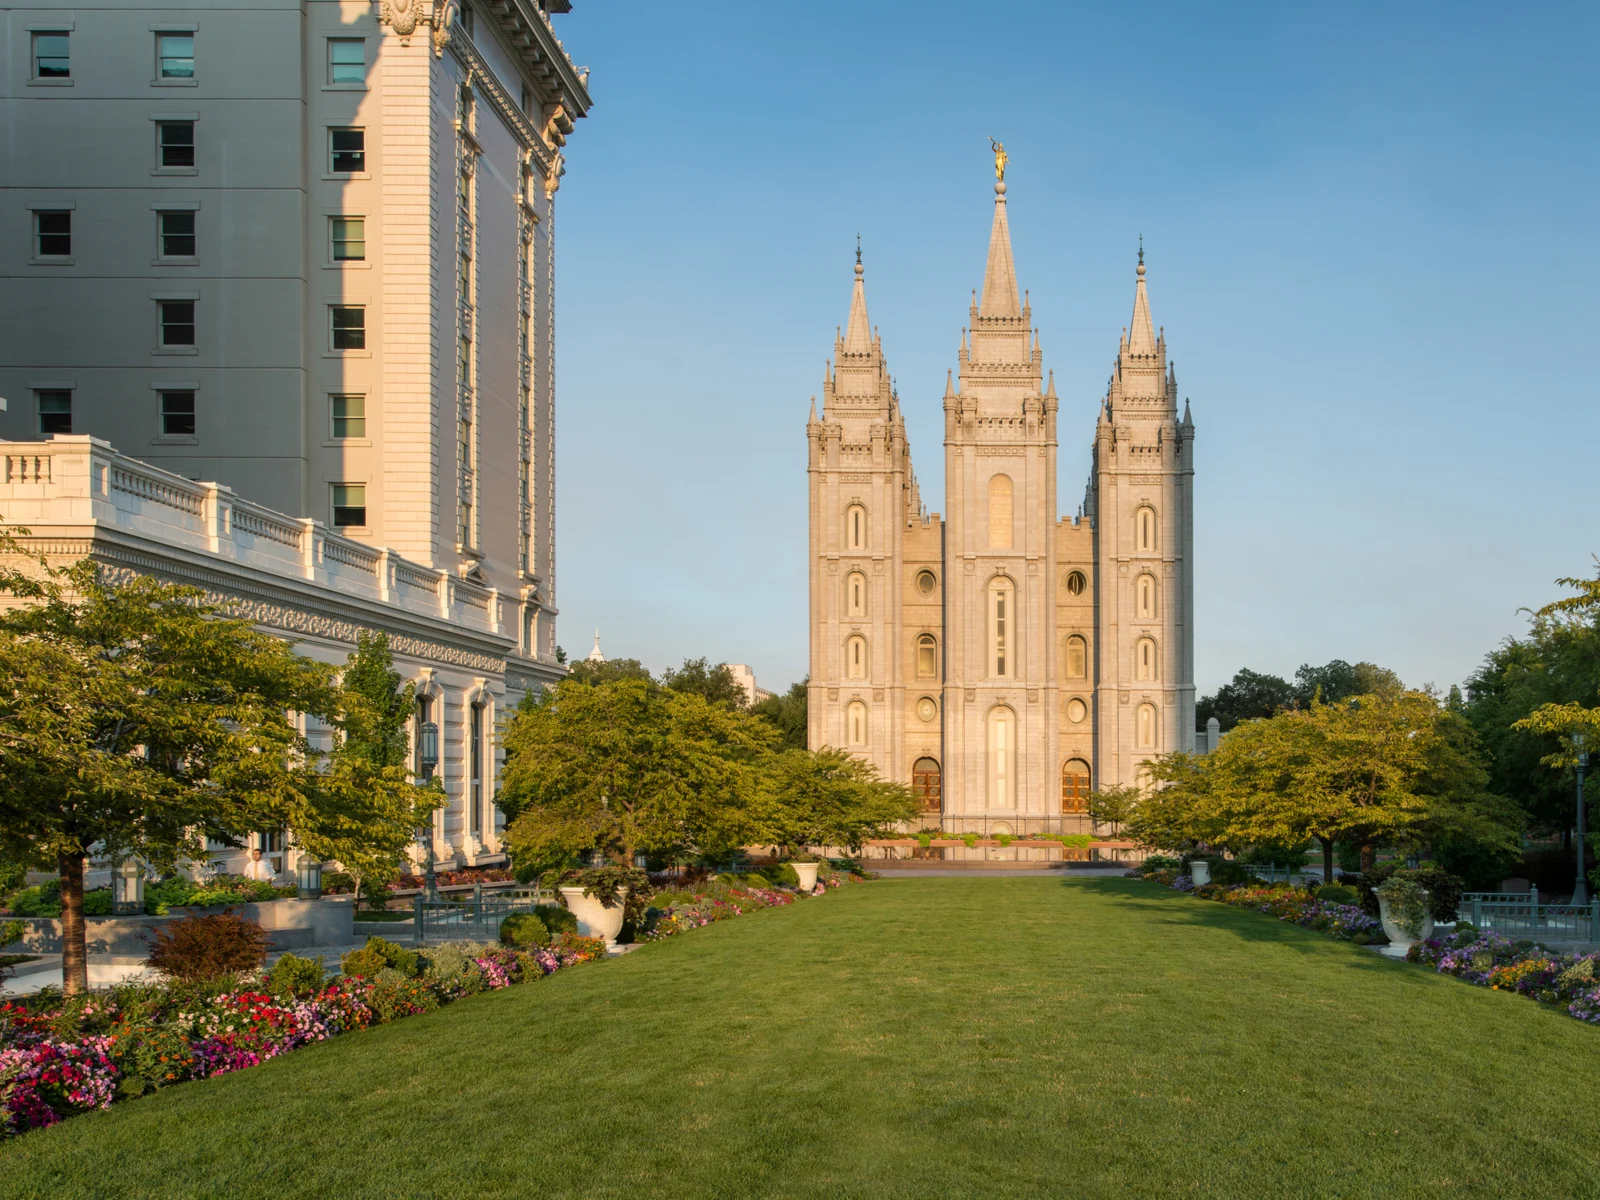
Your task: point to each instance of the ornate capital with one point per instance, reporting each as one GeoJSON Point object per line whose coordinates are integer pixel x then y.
{"type": "Point", "coordinates": [401, 16]}
{"type": "Point", "coordinates": [444, 15]}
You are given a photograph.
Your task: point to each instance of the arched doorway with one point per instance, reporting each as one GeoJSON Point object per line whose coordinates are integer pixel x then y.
{"type": "Point", "coordinates": [1074, 787]}
{"type": "Point", "coordinates": [925, 783]}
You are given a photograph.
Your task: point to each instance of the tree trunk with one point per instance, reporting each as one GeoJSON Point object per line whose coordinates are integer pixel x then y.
{"type": "Point", "coordinates": [1327, 859]}
{"type": "Point", "coordinates": [74, 951]}
{"type": "Point", "coordinates": [356, 908]}
{"type": "Point", "coordinates": [1369, 856]}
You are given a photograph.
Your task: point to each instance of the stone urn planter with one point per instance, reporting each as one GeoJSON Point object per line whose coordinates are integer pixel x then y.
{"type": "Point", "coordinates": [595, 919]}
{"type": "Point", "coordinates": [1398, 937]}
{"type": "Point", "coordinates": [1200, 872]}
{"type": "Point", "coordinates": [807, 873]}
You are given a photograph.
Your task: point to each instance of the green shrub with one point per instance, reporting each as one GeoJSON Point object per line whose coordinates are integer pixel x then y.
{"type": "Point", "coordinates": [1334, 893]}
{"type": "Point", "coordinates": [1003, 838]}
{"type": "Point", "coordinates": [1443, 888]}
{"type": "Point", "coordinates": [41, 900]}
{"type": "Point", "coordinates": [556, 919]}
{"type": "Point", "coordinates": [1284, 858]}
{"type": "Point", "coordinates": [11, 931]}
{"type": "Point", "coordinates": [971, 839]}
{"type": "Point", "coordinates": [97, 903]}
{"type": "Point", "coordinates": [398, 957]}
{"type": "Point", "coordinates": [204, 947]}
{"type": "Point", "coordinates": [1160, 862]}
{"type": "Point", "coordinates": [294, 976]}
{"type": "Point", "coordinates": [1224, 871]}
{"type": "Point", "coordinates": [781, 874]}
{"type": "Point", "coordinates": [525, 931]}
{"type": "Point", "coordinates": [365, 962]}
{"type": "Point", "coordinates": [925, 840]}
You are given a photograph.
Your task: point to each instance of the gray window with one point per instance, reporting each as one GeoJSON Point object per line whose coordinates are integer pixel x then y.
{"type": "Point", "coordinates": [176, 143]}
{"type": "Point", "coordinates": [52, 57]}
{"type": "Point", "coordinates": [52, 234]}
{"type": "Point", "coordinates": [349, 504]}
{"type": "Point", "coordinates": [55, 412]}
{"type": "Point", "coordinates": [177, 322]}
{"type": "Point", "coordinates": [347, 60]}
{"type": "Point", "coordinates": [177, 234]}
{"type": "Point", "coordinates": [347, 151]}
{"type": "Point", "coordinates": [174, 56]}
{"type": "Point", "coordinates": [349, 327]}
{"type": "Point", "coordinates": [177, 414]}
{"type": "Point", "coordinates": [349, 238]}
{"type": "Point", "coordinates": [349, 416]}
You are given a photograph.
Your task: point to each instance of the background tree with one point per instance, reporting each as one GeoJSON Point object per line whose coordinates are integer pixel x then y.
{"type": "Point", "coordinates": [1338, 680]}
{"type": "Point", "coordinates": [787, 714]}
{"type": "Point", "coordinates": [612, 669]}
{"type": "Point", "coordinates": [1114, 805]}
{"type": "Point", "coordinates": [714, 684]}
{"type": "Point", "coordinates": [627, 767]}
{"type": "Point", "coordinates": [1248, 696]}
{"type": "Point", "coordinates": [136, 720]}
{"type": "Point", "coordinates": [828, 798]}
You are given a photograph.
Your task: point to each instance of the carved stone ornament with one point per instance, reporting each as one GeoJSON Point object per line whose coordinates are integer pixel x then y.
{"type": "Point", "coordinates": [444, 15]}
{"type": "Point", "coordinates": [400, 16]}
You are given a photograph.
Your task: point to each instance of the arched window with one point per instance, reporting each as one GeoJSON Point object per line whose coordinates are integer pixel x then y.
{"type": "Point", "coordinates": [1002, 629]}
{"type": "Point", "coordinates": [855, 527]}
{"type": "Point", "coordinates": [1146, 728]}
{"type": "Point", "coordinates": [1145, 597]}
{"type": "Point", "coordinates": [925, 783]}
{"type": "Point", "coordinates": [1077, 657]}
{"type": "Point", "coordinates": [1144, 528]}
{"type": "Point", "coordinates": [1002, 758]}
{"type": "Point", "coordinates": [1074, 786]}
{"type": "Point", "coordinates": [855, 723]}
{"type": "Point", "coordinates": [927, 656]}
{"type": "Point", "coordinates": [1000, 512]}
{"type": "Point", "coordinates": [855, 594]}
{"type": "Point", "coordinates": [855, 658]}
{"type": "Point", "coordinates": [1144, 659]}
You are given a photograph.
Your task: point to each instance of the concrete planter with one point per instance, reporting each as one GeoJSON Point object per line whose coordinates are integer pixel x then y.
{"type": "Point", "coordinates": [1200, 872]}
{"type": "Point", "coordinates": [290, 925]}
{"type": "Point", "coordinates": [594, 918]}
{"type": "Point", "coordinates": [807, 873]}
{"type": "Point", "coordinates": [1399, 939]}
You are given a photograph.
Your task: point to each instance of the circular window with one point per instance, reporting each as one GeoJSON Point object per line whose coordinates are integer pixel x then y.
{"type": "Point", "coordinates": [1077, 710]}
{"type": "Point", "coordinates": [926, 583]}
{"type": "Point", "coordinates": [927, 709]}
{"type": "Point", "coordinates": [1076, 583]}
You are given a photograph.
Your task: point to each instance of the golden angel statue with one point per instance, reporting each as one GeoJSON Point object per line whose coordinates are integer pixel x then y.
{"type": "Point", "coordinates": [1000, 159]}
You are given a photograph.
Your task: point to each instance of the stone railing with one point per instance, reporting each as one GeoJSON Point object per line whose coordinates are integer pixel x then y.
{"type": "Point", "coordinates": [67, 487]}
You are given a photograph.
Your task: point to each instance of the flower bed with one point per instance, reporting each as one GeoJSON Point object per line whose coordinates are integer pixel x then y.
{"type": "Point", "coordinates": [1569, 981]}
{"type": "Point", "coordinates": [697, 905]}
{"type": "Point", "coordinates": [1347, 922]}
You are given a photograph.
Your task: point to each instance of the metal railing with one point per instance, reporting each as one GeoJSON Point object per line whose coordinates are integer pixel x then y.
{"type": "Point", "coordinates": [474, 917]}
{"type": "Point", "coordinates": [1517, 916]}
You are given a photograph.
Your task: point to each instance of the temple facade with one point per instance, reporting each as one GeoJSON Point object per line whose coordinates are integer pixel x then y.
{"type": "Point", "coordinates": [1003, 660]}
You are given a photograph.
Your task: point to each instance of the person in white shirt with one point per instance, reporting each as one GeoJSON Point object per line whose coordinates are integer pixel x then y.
{"type": "Point", "coordinates": [258, 868]}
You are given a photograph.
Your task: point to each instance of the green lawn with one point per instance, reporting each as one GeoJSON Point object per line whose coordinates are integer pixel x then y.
{"type": "Point", "coordinates": [923, 1037]}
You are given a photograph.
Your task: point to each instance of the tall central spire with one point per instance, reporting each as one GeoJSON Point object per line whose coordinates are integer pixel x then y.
{"type": "Point", "coordinates": [999, 276]}
{"type": "Point", "coordinates": [858, 334]}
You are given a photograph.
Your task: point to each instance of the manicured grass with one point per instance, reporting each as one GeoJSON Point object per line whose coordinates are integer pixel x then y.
{"type": "Point", "coordinates": [924, 1037]}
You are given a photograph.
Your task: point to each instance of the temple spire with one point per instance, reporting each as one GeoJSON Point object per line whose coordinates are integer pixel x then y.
{"type": "Point", "coordinates": [858, 334]}
{"type": "Point", "coordinates": [1141, 336]}
{"type": "Point", "coordinates": [999, 275]}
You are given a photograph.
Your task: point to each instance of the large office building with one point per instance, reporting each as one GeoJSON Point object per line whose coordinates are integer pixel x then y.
{"type": "Point", "coordinates": [301, 253]}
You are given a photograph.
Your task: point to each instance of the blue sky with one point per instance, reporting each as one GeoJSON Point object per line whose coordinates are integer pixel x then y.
{"type": "Point", "coordinates": [1371, 237]}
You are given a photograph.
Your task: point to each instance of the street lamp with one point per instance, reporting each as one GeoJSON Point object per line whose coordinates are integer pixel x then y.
{"type": "Point", "coordinates": [427, 764]}
{"type": "Point", "coordinates": [1580, 893]}
{"type": "Point", "coordinates": [308, 877]}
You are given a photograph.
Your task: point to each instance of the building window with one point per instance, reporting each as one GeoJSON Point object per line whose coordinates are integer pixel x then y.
{"type": "Point", "coordinates": [1002, 757]}
{"type": "Point", "coordinates": [926, 582]}
{"type": "Point", "coordinates": [177, 322]}
{"type": "Point", "coordinates": [855, 723]}
{"type": "Point", "coordinates": [927, 709]}
{"type": "Point", "coordinates": [52, 233]}
{"type": "Point", "coordinates": [1000, 512]}
{"type": "Point", "coordinates": [927, 656]}
{"type": "Point", "coordinates": [1077, 710]}
{"type": "Point", "coordinates": [1146, 727]}
{"type": "Point", "coordinates": [347, 60]}
{"type": "Point", "coordinates": [1144, 659]}
{"type": "Point", "coordinates": [174, 56]}
{"type": "Point", "coordinates": [477, 769]}
{"type": "Point", "coordinates": [855, 527]}
{"type": "Point", "coordinates": [52, 55]}
{"type": "Point", "coordinates": [925, 783]}
{"type": "Point", "coordinates": [1144, 525]}
{"type": "Point", "coordinates": [175, 143]}
{"type": "Point", "coordinates": [855, 658]}
{"type": "Point", "coordinates": [177, 414]}
{"type": "Point", "coordinates": [349, 416]}
{"type": "Point", "coordinates": [855, 594]}
{"type": "Point", "coordinates": [1076, 582]}
{"type": "Point", "coordinates": [1074, 786]}
{"type": "Point", "coordinates": [349, 504]}
{"type": "Point", "coordinates": [176, 233]}
{"type": "Point", "coordinates": [349, 236]}
{"type": "Point", "coordinates": [1077, 657]}
{"type": "Point", "coordinates": [55, 412]}
{"type": "Point", "coordinates": [347, 151]}
{"type": "Point", "coordinates": [1145, 596]}
{"type": "Point", "coordinates": [1002, 629]}
{"type": "Point", "coordinates": [349, 326]}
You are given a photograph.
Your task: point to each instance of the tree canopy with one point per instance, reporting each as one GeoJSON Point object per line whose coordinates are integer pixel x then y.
{"type": "Point", "coordinates": [1252, 695]}
{"type": "Point", "coordinates": [787, 714]}
{"type": "Point", "coordinates": [714, 684]}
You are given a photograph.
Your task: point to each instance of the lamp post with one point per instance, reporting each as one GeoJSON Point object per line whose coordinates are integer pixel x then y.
{"type": "Point", "coordinates": [308, 877]}
{"type": "Point", "coordinates": [1580, 893]}
{"type": "Point", "coordinates": [428, 762]}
